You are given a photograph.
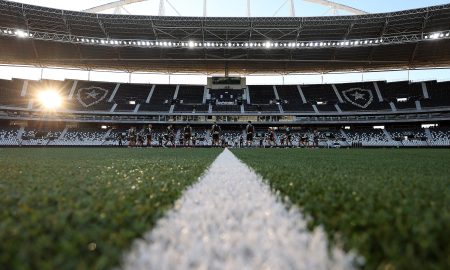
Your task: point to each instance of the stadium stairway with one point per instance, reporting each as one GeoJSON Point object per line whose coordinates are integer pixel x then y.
{"type": "Point", "coordinates": [389, 137]}
{"type": "Point", "coordinates": [344, 135]}
{"type": "Point", "coordinates": [429, 136]}
{"type": "Point", "coordinates": [20, 133]}
{"type": "Point", "coordinates": [63, 133]}
{"type": "Point", "coordinates": [106, 136]}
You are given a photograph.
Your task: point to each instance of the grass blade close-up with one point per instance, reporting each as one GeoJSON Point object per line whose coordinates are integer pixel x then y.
{"type": "Point", "coordinates": [390, 206]}
{"type": "Point", "coordinates": [82, 208]}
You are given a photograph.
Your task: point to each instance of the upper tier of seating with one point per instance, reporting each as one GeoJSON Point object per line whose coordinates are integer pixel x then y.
{"type": "Point", "coordinates": [312, 99]}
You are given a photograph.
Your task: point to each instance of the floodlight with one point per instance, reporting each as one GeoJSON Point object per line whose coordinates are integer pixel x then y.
{"type": "Point", "coordinates": [49, 99]}
{"type": "Point", "coordinates": [21, 34]}
{"type": "Point", "coordinates": [191, 44]}
{"type": "Point", "coordinates": [434, 36]}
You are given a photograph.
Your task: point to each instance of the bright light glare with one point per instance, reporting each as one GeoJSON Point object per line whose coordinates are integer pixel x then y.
{"type": "Point", "coordinates": [50, 99]}
{"type": "Point", "coordinates": [434, 36]}
{"type": "Point", "coordinates": [21, 34]}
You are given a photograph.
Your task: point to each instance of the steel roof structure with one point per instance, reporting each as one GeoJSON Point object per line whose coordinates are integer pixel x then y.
{"type": "Point", "coordinates": [245, 45]}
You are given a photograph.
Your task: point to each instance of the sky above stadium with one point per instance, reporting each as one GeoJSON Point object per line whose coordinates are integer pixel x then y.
{"type": "Point", "coordinates": [235, 8]}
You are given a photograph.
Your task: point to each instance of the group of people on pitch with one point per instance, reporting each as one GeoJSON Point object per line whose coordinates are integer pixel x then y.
{"type": "Point", "coordinates": [168, 138]}
{"type": "Point", "coordinates": [188, 138]}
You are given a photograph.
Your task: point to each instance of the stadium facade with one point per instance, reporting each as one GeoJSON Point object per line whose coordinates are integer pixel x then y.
{"type": "Point", "coordinates": [45, 37]}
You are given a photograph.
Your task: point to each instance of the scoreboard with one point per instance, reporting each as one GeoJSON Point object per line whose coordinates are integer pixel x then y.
{"type": "Point", "coordinates": [226, 83]}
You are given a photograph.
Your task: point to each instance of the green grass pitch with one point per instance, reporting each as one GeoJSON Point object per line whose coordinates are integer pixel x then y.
{"type": "Point", "coordinates": [390, 205]}
{"type": "Point", "coordinates": [82, 208]}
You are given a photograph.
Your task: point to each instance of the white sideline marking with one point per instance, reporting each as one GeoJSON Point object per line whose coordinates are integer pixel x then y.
{"type": "Point", "coordinates": [231, 220]}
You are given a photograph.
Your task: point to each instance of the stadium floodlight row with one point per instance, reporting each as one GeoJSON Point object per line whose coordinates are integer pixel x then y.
{"type": "Point", "coordinates": [229, 45]}
{"type": "Point", "coordinates": [412, 38]}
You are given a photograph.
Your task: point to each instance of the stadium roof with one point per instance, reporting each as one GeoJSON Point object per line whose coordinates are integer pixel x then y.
{"type": "Point", "coordinates": [51, 37]}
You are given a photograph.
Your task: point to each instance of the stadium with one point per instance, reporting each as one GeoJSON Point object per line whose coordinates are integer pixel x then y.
{"type": "Point", "coordinates": [163, 134]}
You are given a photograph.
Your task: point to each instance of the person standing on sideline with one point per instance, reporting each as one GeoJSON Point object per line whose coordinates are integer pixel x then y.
{"type": "Point", "coordinates": [215, 131]}
{"type": "Point", "coordinates": [250, 129]}
{"type": "Point", "coordinates": [132, 137]}
{"type": "Point", "coordinates": [316, 139]}
{"type": "Point", "coordinates": [187, 135]}
{"type": "Point", "coordinates": [149, 131]}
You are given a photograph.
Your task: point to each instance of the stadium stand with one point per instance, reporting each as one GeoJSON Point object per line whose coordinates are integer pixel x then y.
{"type": "Point", "coordinates": [160, 100]}
{"type": "Point", "coordinates": [129, 96]}
{"type": "Point", "coordinates": [440, 136]}
{"type": "Point", "coordinates": [91, 96]}
{"type": "Point", "coordinates": [10, 93]}
{"type": "Point", "coordinates": [263, 94]}
{"type": "Point", "coordinates": [409, 137]}
{"type": "Point", "coordinates": [348, 98]}
{"type": "Point", "coordinates": [8, 136]}
{"type": "Point", "coordinates": [225, 95]}
{"type": "Point", "coordinates": [409, 92]}
{"type": "Point", "coordinates": [367, 137]}
{"type": "Point", "coordinates": [291, 100]}
{"type": "Point", "coordinates": [226, 108]}
{"type": "Point", "coordinates": [361, 97]}
{"type": "Point", "coordinates": [81, 137]}
{"type": "Point", "coordinates": [438, 95]}
{"type": "Point", "coordinates": [190, 94]}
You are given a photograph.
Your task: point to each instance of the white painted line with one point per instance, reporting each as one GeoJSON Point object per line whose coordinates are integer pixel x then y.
{"type": "Point", "coordinates": [72, 90]}
{"type": "Point", "coordinates": [300, 91]}
{"type": "Point", "coordinates": [337, 93]}
{"type": "Point", "coordinates": [231, 220]}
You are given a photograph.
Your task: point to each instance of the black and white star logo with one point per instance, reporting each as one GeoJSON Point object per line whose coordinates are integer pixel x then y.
{"type": "Point", "coordinates": [93, 94]}
{"type": "Point", "coordinates": [357, 95]}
